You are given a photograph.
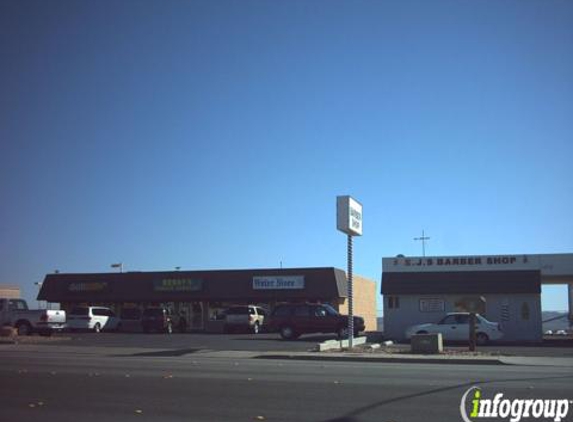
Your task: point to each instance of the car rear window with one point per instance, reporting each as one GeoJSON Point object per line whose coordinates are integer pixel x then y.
{"type": "Point", "coordinates": [102, 312]}
{"type": "Point", "coordinates": [238, 311]}
{"type": "Point", "coordinates": [79, 311]}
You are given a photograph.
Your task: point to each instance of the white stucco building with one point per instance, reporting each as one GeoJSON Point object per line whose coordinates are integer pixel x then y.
{"type": "Point", "coordinates": [424, 289]}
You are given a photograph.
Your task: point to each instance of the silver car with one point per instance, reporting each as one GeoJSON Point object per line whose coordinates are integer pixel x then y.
{"type": "Point", "coordinates": [248, 317]}
{"type": "Point", "coordinates": [455, 327]}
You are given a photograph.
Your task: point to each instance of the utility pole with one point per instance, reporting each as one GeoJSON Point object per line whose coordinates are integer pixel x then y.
{"type": "Point", "coordinates": [423, 240]}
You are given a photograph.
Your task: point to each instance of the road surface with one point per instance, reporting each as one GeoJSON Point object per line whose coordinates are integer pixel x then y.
{"type": "Point", "coordinates": [46, 384]}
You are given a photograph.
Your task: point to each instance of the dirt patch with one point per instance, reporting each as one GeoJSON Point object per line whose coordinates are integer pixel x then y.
{"type": "Point", "coordinates": [405, 350]}
{"type": "Point", "coordinates": [33, 339]}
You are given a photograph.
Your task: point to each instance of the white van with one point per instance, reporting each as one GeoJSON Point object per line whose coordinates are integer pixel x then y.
{"type": "Point", "coordinates": [93, 318]}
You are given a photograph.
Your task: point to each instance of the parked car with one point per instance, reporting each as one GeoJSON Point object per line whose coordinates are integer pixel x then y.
{"type": "Point", "coordinates": [455, 327]}
{"type": "Point", "coordinates": [292, 320]}
{"type": "Point", "coordinates": [157, 319]}
{"type": "Point", "coordinates": [561, 332]}
{"type": "Point", "coordinates": [248, 317]}
{"type": "Point", "coordinates": [93, 318]}
{"type": "Point", "coordinates": [15, 313]}
{"type": "Point", "coordinates": [130, 319]}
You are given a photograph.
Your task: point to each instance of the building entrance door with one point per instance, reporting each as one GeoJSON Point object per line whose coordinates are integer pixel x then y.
{"type": "Point", "coordinates": [189, 315]}
{"type": "Point", "coordinates": [196, 315]}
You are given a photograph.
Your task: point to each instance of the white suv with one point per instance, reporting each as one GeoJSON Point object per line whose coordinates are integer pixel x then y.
{"type": "Point", "coordinates": [247, 317]}
{"type": "Point", "coordinates": [92, 318]}
{"type": "Point", "coordinates": [455, 327]}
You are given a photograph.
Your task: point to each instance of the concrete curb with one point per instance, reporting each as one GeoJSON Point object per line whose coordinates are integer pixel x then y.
{"type": "Point", "coordinates": [384, 359]}
{"type": "Point", "coordinates": [338, 344]}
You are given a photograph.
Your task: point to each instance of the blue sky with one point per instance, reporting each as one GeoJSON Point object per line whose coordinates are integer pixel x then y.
{"type": "Point", "coordinates": [208, 134]}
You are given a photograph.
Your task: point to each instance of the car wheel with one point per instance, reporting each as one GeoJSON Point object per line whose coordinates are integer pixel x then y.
{"type": "Point", "coordinates": [169, 329]}
{"type": "Point", "coordinates": [256, 328]}
{"type": "Point", "coordinates": [97, 328]}
{"type": "Point", "coordinates": [482, 339]}
{"type": "Point", "coordinates": [24, 329]}
{"type": "Point", "coordinates": [287, 333]}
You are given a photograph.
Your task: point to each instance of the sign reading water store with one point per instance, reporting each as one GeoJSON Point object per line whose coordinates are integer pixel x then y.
{"type": "Point", "coordinates": [278, 283]}
{"type": "Point", "coordinates": [178, 285]}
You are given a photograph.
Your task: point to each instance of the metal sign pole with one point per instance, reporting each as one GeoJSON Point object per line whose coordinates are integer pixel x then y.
{"type": "Point", "coordinates": [350, 302]}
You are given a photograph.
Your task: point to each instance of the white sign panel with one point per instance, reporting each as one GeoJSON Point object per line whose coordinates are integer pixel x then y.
{"type": "Point", "coordinates": [288, 282]}
{"type": "Point", "coordinates": [432, 305]}
{"type": "Point", "coordinates": [460, 263]}
{"type": "Point", "coordinates": [349, 215]}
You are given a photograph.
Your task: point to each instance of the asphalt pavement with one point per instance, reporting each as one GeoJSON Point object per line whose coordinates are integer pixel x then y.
{"type": "Point", "coordinates": [62, 384]}
{"type": "Point", "coordinates": [273, 343]}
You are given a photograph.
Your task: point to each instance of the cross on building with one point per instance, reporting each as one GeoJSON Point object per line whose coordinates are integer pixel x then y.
{"type": "Point", "coordinates": [423, 240]}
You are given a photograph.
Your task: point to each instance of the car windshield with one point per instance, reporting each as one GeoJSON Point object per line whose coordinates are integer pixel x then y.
{"type": "Point", "coordinates": [330, 310]}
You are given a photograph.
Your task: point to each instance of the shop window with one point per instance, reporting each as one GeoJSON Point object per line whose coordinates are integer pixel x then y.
{"type": "Point", "coordinates": [130, 314]}
{"type": "Point", "coordinates": [393, 302]}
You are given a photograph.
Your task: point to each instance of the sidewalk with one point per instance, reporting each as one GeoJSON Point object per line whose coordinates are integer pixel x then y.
{"type": "Point", "coordinates": [166, 353]}
{"type": "Point", "coordinates": [432, 359]}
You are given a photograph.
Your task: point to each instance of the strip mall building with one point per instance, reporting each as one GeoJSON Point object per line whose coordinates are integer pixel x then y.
{"type": "Point", "coordinates": [424, 289]}
{"type": "Point", "coordinates": [201, 296]}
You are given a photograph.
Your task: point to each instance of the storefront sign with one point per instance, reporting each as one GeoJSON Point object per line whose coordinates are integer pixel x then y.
{"type": "Point", "coordinates": [461, 263]}
{"type": "Point", "coordinates": [178, 285]}
{"type": "Point", "coordinates": [278, 282]}
{"type": "Point", "coordinates": [349, 215]}
{"type": "Point", "coordinates": [432, 305]}
{"type": "Point", "coordinates": [89, 286]}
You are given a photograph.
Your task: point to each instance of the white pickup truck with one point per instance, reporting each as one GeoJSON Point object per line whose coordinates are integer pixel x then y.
{"type": "Point", "coordinates": [15, 313]}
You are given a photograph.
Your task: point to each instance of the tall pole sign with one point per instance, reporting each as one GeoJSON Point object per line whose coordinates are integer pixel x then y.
{"type": "Point", "coordinates": [349, 221]}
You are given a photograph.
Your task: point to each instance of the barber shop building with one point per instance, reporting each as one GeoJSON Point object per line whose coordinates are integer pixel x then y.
{"type": "Point", "coordinates": [424, 289]}
{"type": "Point", "coordinates": [202, 296]}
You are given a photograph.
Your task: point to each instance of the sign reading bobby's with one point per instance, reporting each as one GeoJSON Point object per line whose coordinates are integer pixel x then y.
{"type": "Point", "coordinates": [178, 285]}
{"type": "Point", "coordinates": [88, 286]}
{"type": "Point", "coordinates": [288, 282]}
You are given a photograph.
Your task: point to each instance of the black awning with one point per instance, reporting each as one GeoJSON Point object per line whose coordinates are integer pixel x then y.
{"type": "Point", "coordinates": [474, 282]}
{"type": "Point", "coordinates": [325, 283]}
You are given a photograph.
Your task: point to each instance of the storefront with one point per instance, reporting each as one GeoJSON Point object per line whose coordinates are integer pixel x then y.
{"type": "Point", "coordinates": [202, 296]}
{"type": "Point", "coordinates": [424, 289]}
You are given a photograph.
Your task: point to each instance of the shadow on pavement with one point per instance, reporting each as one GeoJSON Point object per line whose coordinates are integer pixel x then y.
{"type": "Point", "coordinates": [353, 415]}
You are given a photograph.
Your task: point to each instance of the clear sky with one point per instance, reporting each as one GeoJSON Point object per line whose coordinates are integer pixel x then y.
{"type": "Point", "coordinates": [217, 134]}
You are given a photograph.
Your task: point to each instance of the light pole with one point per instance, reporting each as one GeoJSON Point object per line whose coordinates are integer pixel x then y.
{"type": "Point", "coordinates": [349, 221]}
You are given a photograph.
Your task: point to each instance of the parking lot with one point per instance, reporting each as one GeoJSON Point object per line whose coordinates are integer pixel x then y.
{"type": "Point", "coordinates": [273, 343]}
{"type": "Point", "coordinates": [203, 341]}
